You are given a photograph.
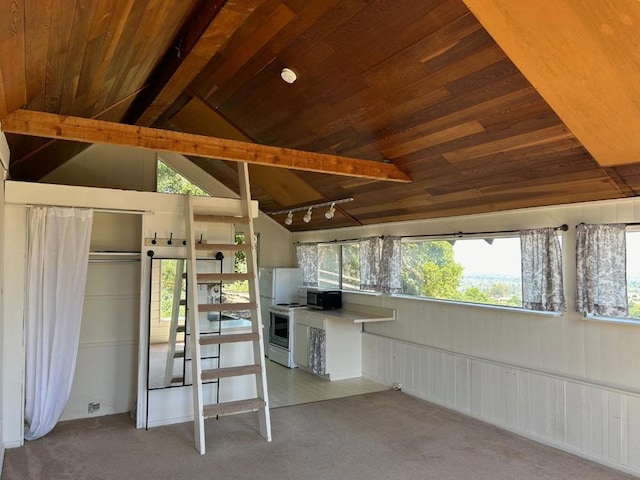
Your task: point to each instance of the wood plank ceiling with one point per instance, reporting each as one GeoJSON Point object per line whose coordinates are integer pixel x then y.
{"type": "Point", "coordinates": [417, 83]}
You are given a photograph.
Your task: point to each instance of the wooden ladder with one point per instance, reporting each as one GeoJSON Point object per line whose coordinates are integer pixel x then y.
{"type": "Point", "coordinates": [257, 368]}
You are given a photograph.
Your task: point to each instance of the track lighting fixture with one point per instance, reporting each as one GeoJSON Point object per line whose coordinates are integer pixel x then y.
{"type": "Point", "coordinates": [331, 212]}
{"type": "Point", "coordinates": [307, 216]}
{"type": "Point", "coordinates": [289, 219]}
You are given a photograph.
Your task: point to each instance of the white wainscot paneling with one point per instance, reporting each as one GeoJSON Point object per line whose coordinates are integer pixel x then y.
{"type": "Point", "coordinates": [596, 422]}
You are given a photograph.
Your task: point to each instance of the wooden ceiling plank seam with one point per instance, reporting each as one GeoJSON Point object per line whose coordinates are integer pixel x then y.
{"type": "Point", "coordinates": [94, 131]}
{"type": "Point", "coordinates": [82, 21]}
{"type": "Point", "coordinates": [240, 89]}
{"type": "Point", "coordinates": [279, 18]}
{"type": "Point", "coordinates": [278, 45]}
{"type": "Point", "coordinates": [123, 51]}
{"type": "Point", "coordinates": [190, 32]}
{"type": "Point", "coordinates": [223, 26]}
{"type": "Point", "coordinates": [58, 52]}
{"type": "Point", "coordinates": [12, 55]}
{"type": "Point", "coordinates": [436, 138]}
{"type": "Point", "coordinates": [446, 114]}
{"type": "Point", "coordinates": [205, 83]}
{"type": "Point", "coordinates": [111, 39]}
{"type": "Point", "coordinates": [92, 54]}
{"type": "Point", "coordinates": [486, 139]}
{"type": "Point", "coordinates": [534, 138]}
{"type": "Point", "coordinates": [37, 28]}
{"type": "Point", "coordinates": [151, 45]}
{"type": "Point", "coordinates": [3, 97]}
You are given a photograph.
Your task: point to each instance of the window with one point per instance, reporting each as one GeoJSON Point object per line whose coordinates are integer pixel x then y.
{"type": "Point", "coordinates": [633, 273]}
{"type": "Point", "coordinates": [467, 270]}
{"type": "Point", "coordinates": [170, 181]}
{"type": "Point", "coordinates": [339, 266]}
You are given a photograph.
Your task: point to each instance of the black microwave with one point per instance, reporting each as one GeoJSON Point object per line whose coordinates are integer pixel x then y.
{"type": "Point", "coordinates": [324, 299]}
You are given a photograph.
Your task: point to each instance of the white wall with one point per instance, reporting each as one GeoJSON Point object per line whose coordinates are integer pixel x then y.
{"type": "Point", "coordinates": [4, 163]}
{"type": "Point", "coordinates": [560, 379]}
{"type": "Point", "coordinates": [106, 369]}
{"type": "Point", "coordinates": [13, 342]}
{"type": "Point", "coordinates": [108, 166]}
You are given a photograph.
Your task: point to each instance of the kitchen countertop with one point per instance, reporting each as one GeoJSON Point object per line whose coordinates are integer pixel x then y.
{"type": "Point", "coordinates": [358, 313]}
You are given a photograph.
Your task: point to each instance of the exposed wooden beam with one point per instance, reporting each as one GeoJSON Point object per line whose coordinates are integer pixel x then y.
{"type": "Point", "coordinates": [582, 57]}
{"type": "Point", "coordinates": [196, 55]}
{"type": "Point", "coordinates": [40, 124]}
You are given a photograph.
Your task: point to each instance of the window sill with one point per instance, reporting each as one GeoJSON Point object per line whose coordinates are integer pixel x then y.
{"type": "Point", "coordinates": [462, 304]}
{"type": "Point", "coordinates": [624, 321]}
{"type": "Point", "coordinates": [479, 305]}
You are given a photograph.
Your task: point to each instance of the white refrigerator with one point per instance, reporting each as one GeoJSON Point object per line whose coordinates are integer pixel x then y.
{"type": "Point", "coordinates": [277, 285]}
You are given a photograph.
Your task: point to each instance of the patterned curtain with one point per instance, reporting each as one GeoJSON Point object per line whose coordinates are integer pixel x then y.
{"type": "Point", "coordinates": [542, 287]}
{"type": "Point", "coordinates": [370, 251]}
{"type": "Point", "coordinates": [317, 350]}
{"type": "Point", "coordinates": [307, 254]}
{"type": "Point", "coordinates": [390, 265]}
{"type": "Point", "coordinates": [601, 269]}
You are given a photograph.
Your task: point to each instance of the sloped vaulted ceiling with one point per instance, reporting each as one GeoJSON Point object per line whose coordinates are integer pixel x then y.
{"type": "Point", "coordinates": [486, 104]}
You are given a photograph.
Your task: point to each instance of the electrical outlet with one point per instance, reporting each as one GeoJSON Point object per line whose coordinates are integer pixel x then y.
{"type": "Point", "coordinates": [94, 407]}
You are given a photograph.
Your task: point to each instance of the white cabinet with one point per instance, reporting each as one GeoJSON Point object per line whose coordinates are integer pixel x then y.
{"type": "Point", "coordinates": [301, 344]}
{"type": "Point", "coordinates": [343, 343]}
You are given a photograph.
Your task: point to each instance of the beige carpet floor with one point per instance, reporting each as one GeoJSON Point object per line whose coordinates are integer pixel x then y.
{"type": "Point", "coordinates": [383, 435]}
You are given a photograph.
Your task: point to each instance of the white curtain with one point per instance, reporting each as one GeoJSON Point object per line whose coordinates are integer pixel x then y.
{"type": "Point", "coordinates": [370, 251]}
{"type": "Point", "coordinates": [307, 254]}
{"type": "Point", "coordinates": [542, 287]}
{"type": "Point", "coordinates": [601, 270]}
{"type": "Point", "coordinates": [57, 271]}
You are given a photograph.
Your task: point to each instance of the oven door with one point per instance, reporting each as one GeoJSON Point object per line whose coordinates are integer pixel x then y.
{"type": "Point", "coordinates": [279, 329]}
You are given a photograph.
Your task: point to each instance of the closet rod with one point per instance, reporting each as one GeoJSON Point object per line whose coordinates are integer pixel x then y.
{"type": "Point", "coordinates": [100, 210]}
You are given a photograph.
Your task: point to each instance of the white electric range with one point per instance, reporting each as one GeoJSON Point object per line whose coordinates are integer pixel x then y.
{"type": "Point", "coordinates": [281, 333]}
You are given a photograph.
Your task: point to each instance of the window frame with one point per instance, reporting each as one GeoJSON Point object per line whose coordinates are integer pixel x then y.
{"type": "Point", "coordinates": [622, 320]}
{"type": "Point", "coordinates": [340, 273]}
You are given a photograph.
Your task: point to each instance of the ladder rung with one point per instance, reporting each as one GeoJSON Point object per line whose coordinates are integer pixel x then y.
{"type": "Point", "coordinates": [202, 278]}
{"type": "Point", "coordinates": [230, 372]}
{"type": "Point", "coordinates": [224, 246]}
{"type": "Point", "coordinates": [231, 338]}
{"type": "Point", "coordinates": [183, 301]}
{"type": "Point", "coordinates": [233, 407]}
{"type": "Point", "coordinates": [177, 380]}
{"type": "Point", "coordinates": [226, 307]}
{"type": "Point", "coordinates": [178, 355]}
{"type": "Point", "coordinates": [219, 219]}
{"type": "Point", "coordinates": [181, 329]}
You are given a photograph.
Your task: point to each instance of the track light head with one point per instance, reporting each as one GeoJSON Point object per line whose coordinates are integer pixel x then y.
{"type": "Point", "coordinates": [307, 216]}
{"type": "Point", "coordinates": [289, 219]}
{"type": "Point", "coordinates": [331, 212]}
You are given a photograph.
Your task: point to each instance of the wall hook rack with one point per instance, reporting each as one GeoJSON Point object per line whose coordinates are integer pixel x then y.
{"type": "Point", "coordinates": [166, 242]}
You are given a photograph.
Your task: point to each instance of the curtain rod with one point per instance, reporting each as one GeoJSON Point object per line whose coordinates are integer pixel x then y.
{"type": "Point", "coordinates": [628, 224]}
{"type": "Point", "coordinates": [563, 228]}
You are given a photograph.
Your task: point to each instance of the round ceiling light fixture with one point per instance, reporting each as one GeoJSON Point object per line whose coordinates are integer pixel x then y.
{"type": "Point", "coordinates": [288, 75]}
